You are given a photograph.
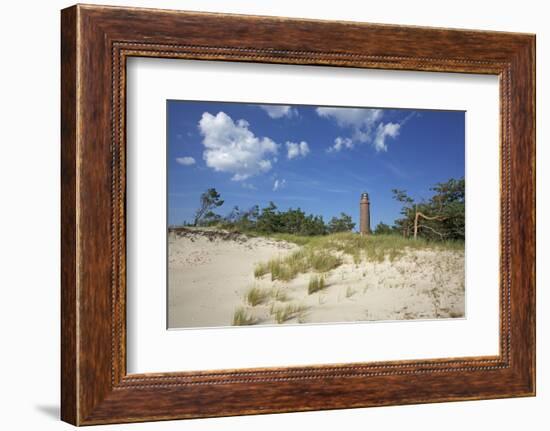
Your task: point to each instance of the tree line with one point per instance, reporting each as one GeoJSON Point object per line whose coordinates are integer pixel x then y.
{"type": "Point", "coordinates": [267, 220]}
{"type": "Point", "coordinates": [439, 218]}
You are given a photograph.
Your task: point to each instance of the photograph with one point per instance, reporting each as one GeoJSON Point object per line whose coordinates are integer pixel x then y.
{"type": "Point", "coordinates": [300, 214]}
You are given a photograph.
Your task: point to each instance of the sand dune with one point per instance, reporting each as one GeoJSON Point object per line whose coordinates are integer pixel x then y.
{"type": "Point", "coordinates": [210, 273]}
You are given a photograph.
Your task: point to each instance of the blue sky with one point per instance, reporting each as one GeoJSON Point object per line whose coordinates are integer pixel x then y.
{"type": "Point", "coordinates": [319, 159]}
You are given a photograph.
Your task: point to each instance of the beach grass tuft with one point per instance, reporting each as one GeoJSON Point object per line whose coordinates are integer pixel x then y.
{"type": "Point", "coordinates": [287, 312]}
{"type": "Point", "coordinates": [316, 283]}
{"type": "Point", "coordinates": [279, 295]}
{"type": "Point", "coordinates": [256, 296]}
{"type": "Point", "coordinates": [261, 269]}
{"type": "Point", "coordinates": [241, 317]}
{"type": "Point", "coordinates": [299, 262]}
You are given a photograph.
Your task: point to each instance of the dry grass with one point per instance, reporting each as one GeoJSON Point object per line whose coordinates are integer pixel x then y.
{"type": "Point", "coordinates": [287, 312]}
{"type": "Point", "coordinates": [256, 296]}
{"type": "Point", "coordinates": [301, 261]}
{"type": "Point", "coordinates": [375, 248]}
{"type": "Point", "coordinates": [323, 253]}
{"type": "Point", "coordinates": [241, 317]}
{"type": "Point", "coordinates": [279, 295]}
{"type": "Point", "coordinates": [316, 283]}
{"type": "Point", "coordinates": [261, 269]}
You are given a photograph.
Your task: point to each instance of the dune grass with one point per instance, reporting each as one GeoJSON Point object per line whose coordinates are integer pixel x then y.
{"type": "Point", "coordinates": [323, 253]}
{"type": "Point", "coordinates": [261, 269]}
{"type": "Point", "coordinates": [301, 261]}
{"type": "Point", "coordinates": [316, 283]}
{"type": "Point", "coordinates": [350, 291]}
{"type": "Point", "coordinates": [256, 296]}
{"type": "Point", "coordinates": [241, 317]}
{"type": "Point", "coordinates": [279, 295]}
{"type": "Point", "coordinates": [287, 312]}
{"type": "Point", "coordinates": [371, 247]}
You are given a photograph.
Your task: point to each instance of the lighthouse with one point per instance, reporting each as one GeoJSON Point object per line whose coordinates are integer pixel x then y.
{"type": "Point", "coordinates": [364, 214]}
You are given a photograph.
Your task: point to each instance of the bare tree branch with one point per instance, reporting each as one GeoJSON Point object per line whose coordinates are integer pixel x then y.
{"type": "Point", "coordinates": [432, 229]}
{"type": "Point", "coordinates": [419, 214]}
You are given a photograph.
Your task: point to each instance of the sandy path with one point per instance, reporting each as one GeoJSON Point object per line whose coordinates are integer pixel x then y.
{"type": "Point", "coordinates": [208, 279]}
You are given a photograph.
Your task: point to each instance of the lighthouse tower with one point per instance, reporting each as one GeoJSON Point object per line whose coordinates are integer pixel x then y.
{"type": "Point", "coordinates": [364, 214]}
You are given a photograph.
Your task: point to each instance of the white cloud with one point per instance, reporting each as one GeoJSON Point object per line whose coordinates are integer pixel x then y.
{"type": "Point", "coordinates": [279, 111]}
{"type": "Point", "coordinates": [382, 132]}
{"type": "Point", "coordinates": [278, 184]}
{"type": "Point", "coordinates": [185, 161]}
{"type": "Point", "coordinates": [366, 127]}
{"type": "Point", "coordinates": [358, 118]}
{"type": "Point", "coordinates": [231, 147]}
{"type": "Point", "coordinates": [295, 149]}
{"type": "Point", "coordinates": [248, 186]}
{"type": "Point", "coordinates": [340, 143]}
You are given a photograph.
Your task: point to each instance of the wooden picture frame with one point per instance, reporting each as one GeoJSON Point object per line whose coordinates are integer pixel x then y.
{"type": "Point", "coordinates": [95, 43]}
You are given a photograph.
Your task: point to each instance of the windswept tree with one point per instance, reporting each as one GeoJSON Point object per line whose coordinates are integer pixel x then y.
{"type": "Point", "coordinates": [234, 215]}
{"type": "Point", "coordinates": [344, 223]}
{"type": "Point", "coordinates": [449, 202]}
{"type": "Point", "coordinates": [404, 224]}
{"type": "Point", "coordinates": [268, 219]}
{"type": "Point", "coordinates": [209, 201]}
{"type": "Point", "coordinates": [248, 218]}
{"type": "Point", "coordinates": [439, 218]}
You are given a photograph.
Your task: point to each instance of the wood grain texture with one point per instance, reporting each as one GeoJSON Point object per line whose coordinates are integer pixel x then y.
{"type": "Point", "coordinates": [69, 367]}
{"type": "Point", "coordinates": [96, 41]}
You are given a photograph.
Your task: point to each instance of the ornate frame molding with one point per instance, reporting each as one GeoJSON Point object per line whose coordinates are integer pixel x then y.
{"type": "Point", "coordinates": [96, 41]}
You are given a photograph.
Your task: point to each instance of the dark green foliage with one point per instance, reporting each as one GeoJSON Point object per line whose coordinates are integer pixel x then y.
{"type": "Point", "coordinates": [210, 200]}
{"type": "Point", "coordinates": [242, 221]}
{"type": "Point", "coordinates": [293, 221]}
{"type": "Point", "coordinates": [343, 223]}
{"type": "Point", "coordinates": [440, 218]}
{"type": "Point", "coordinates": [210, 219]}
{"type": "Point", "coordinates": [383, 229]}
{"type": "Point", "coordinates": [267, 220]}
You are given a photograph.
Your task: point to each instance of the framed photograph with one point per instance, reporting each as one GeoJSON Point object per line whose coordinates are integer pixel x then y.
{"type": "Point", "coordinates": [265, 214]}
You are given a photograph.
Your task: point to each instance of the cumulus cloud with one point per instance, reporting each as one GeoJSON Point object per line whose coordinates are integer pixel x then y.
{"type": "Point", "coordinates": [185, 161]}
{"type": "Point", "coordinates": [295, 149]}
{"type": "Point", "coordinates": [279, 111]}
{"type": "Point", "coordinates": [340, 143]}
{"type": "Point", "coordinates": [278, 184]}
{"type": "Point", "coordinates": [352, 117]}
{"type": "Point", "coordinates": [382, 132]}
{"type": "Point", "coordinates": [366, 127]}
{"type": "Point", "coordinates": [233, 148]}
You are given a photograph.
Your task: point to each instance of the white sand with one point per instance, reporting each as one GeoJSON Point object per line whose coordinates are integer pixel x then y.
{"type": "Point", "coordinates": [209, 278]}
